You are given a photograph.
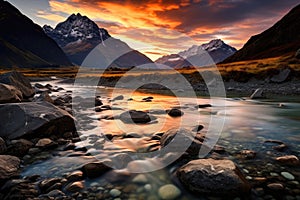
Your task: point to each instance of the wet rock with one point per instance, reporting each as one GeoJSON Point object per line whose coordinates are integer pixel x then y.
{"type": "Point", "coordinates": [19, 147]}
{"type": "Point", "coordinates": [169, 192]}
{"type": "Point", "coordinates": [134, 116]}
{"type": "Point", "coordinates": [9, 94]}
{"type": "Point", "coordinates": [280, 147]}
{"type": "Point", "coordinates": [19, 189]}
{"type": "Point", "coordinates": [213, 177]}
{"type": "Point", "coordinates": [204, 106]}
{"type": "Point", "coordinates": [47, 183]}
{"type": "Point", "coordinates": [281, 76]}
{"type": "Point", "coordinates": [94, 170]}
{"type": "Point", "coordinates": [55, 194]}
{"type": "Point", "coordinates": [44, 96]}
{"type": "Point", "coordinates": [248, 154]}
{"type": "Point", "coordinates": [9, 166]}
{"type": "Point", "coordinates": [219, 149]}
{"type": "Point", "coordinates": [75, 176]}
{"type": "Point", "coordinates": [115, 192]}
{"type": "Point", "coordinates": [19, 81]}
{"type": "Point", "coordinates": [287, 176]}
{"type": "Point", "coordinates": [148, 98]}
{"type": "Point", "coordinates": [174, 112]}
{"type": "Point", "coordinates": [75, 187]}
{"type": "Point", "coordinates": [118, 98]}
{"type": "Point", "coordinates": [33, 119]}
{"type": "Point", "coordinates": [3, 146]}
{"type": "Point", "coordinates": [288, 160]}
{"type": "Point", "coordinates": [275, 186]}
{"type": "Point", "coordinates": [185, 141]}
{"type": "Point", "coordinates": [141, 178]}
{"type": "Point", "coordinates": [198, 128]}
{"type": "Point", "coordinates": [45, 143]}
{"type": "Point", "coordinates": [258, 94]}
{"type": "Point", "coordinates": [39, 86]}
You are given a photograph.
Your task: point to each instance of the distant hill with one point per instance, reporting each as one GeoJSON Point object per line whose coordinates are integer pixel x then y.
{"type": "Point", "coordinates": [24, 44]}
{"type": "Point", "coordinates": [78, 36]}
{"type": "Point", "coordinates": [281, 39]}
{"type": "Point", "coordinates": [209, 53]}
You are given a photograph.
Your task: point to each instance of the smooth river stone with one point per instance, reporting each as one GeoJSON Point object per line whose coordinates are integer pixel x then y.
{"type": "Point", "coordinates": [287, 175]}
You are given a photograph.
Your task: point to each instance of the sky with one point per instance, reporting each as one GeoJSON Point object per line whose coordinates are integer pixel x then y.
{"type": "Point", "coordinates": [161, 27]}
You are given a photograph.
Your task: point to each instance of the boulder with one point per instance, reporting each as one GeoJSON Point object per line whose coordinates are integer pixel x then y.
{"type": "Point", "coordinates": [213, 177]}
{"type": "Point", "coordinates": [174, 112]}
{"type": "Point", "coordinates": [134, 116]}
{"type": "Point", "coordinates": [19, 81]}
{"type": "Point", "coordinates": [281, 76]}
{"type": "Point", "coordinates": [258, 94]}
{"type": "Point", "coordinates": [96, 169]}
{"type": "Point", "coordinates": [9, 166]}
{"type": "Point", "coordinates": [184, 138]}
{"type": "Point", "coordinates": [9, 94]}
{"type": "Point", "coordinates": [33, 119]}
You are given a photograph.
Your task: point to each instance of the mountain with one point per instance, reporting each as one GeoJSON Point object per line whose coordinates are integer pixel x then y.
{"type": "Point", "coordinates": [79, 35]}
{"type": "Point", "coordinates": [24, 44]}
{"type": "Point", "coordinates": [283, 38]}
{"type": "Point", "coordinates": [206, 54]}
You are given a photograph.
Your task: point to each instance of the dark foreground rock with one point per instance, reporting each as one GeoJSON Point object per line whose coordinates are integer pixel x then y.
{"type": "Point", "coordinates": [19, 81]}
{"type": "Point", "coordinates": [213, 177]}
{"type": "Point", "coordinates": [33, 119]}
{"type": "Point", "coordinates": [134, 116]}
{"type": "Point", "coordinates": [9, 166]}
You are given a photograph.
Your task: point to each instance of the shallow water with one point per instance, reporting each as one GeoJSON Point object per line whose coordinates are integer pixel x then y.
{"type": "Point", "coordinates": [245, 124]}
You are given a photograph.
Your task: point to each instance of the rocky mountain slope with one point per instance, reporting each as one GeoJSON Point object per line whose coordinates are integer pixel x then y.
{"type": "Point", "coordinates": [79, 35]}
{"type": "Point", "coordinates": [281, 39]}
{"type": "Point", "coordinates": [24, 44]}
{"type": "Point", "coordinates": [206, 54]}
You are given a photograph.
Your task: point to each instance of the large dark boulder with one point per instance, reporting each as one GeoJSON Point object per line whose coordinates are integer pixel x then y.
{"type": "Point", "coordinates": [33, 119]}
{"type": "Point", "coordinates": [213, 177]}
{"type": "Point", "coordinates": [19, 81]}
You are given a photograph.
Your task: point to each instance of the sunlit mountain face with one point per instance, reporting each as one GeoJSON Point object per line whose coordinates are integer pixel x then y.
{"type": "Point", "coordinates": [158, 28]}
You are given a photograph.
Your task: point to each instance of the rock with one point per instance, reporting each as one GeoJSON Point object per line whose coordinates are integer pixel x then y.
{"type": "Point", "coordinates": [288, 176]}
{"type": "Point", "coordinates": [74, 187]}
{"type": "Point", "coordinates": [94, 170]}
{"type": "Point", "coordinates": [174, 112]}
{"type": "Point", "coordinates": [33, 119]}
{"type": "Point", "coordinates": [282, 76]}
{"type": "Point", "coordinates": [44, 96]}
{"type": "Point", "coordinates": [198, 128]}
{"type": "Point", "coordinates": [275, 186]}
{"type": "Point", "coordinates": [9, 94]}
{"type": "Point", "coordinates": [208, 176]}
{"type": "Point", "coordinates": [75, 176]}
{"type": "Point", "coordinates": [47, 183]}
{"type": "Point", "coordinates": [19, 81]}
{"type": "Point", "coordinates": [134, 116]}
{"type": "Point", "coordinates": [248, 154]}
{"type": "Point", "coordinates": [258, 94]}
{"type": "Point", "coordinates": [19, 147]}
{"type": "Point", "coordinates": [45, 143]}
{"type": "Point", "coordinates": [9, 166]}
{"type": "Point", "coordinates": [39, 86]}
{"type": "Point", "coordinates": [115, 192]}
{"type": "Point", "coordinates": [3, 147]}
{"type": "Point", "coordinates": [169, 192]}
{"type": "Point", "coordinates": [141, 178]}
{"type": "Point", "coordinates": [204, 106]}
{"type": "Point", "coordinates": [288, 160]}
{"type": "Point", "coordinates": [118, 98]}
{"type": "Point", "coordinates": [56, 194]}
{"type": "Point", "coordinates": [185, 141]}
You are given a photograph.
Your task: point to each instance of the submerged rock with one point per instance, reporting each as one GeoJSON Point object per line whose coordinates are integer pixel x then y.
{"type": "Point", "coordinates": [169, 192]}
{"type": "Point", "coordinates": [9, 94]}
{"type": "Point", "coordinates": [213, 177]}
{"type": "Point", "coordinates": [33, 119]}
{"type": "Point", "coordinates": [19, 81]}
{"type": "Point", "coordinates": [9, 166]}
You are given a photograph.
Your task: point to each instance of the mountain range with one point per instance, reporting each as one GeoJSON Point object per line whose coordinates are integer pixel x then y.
{"type": "Point", "coordinates": [209, 53]}
{"type": "Point", "coordinates": [78, 36]}
{"type": "Point", "coordinates": [283, 38]}
{"type": "Point", "coordinates": [22, 43]}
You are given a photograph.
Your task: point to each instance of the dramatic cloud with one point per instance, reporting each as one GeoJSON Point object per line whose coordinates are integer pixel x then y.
{"type": "Point", "coordinates": [166, 26]}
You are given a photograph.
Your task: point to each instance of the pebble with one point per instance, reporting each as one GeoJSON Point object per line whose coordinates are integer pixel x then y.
{"type": "Point", "coordinates": [274, 174]}
{"type": "Point", "coordinates": [74, 187]}
{"type": "Point", "coordinates": [169, 192]}
{"type": "Point", "coordinates": [275, 186]}
{"type": "Point", "coordinates": [287, 175]}
{"type": "Point", "coordinates": [148, 187]}
{"type": "Point", "coordinates": [115, 192]}
{"type": "Point", "coordinates": [141, 178]}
